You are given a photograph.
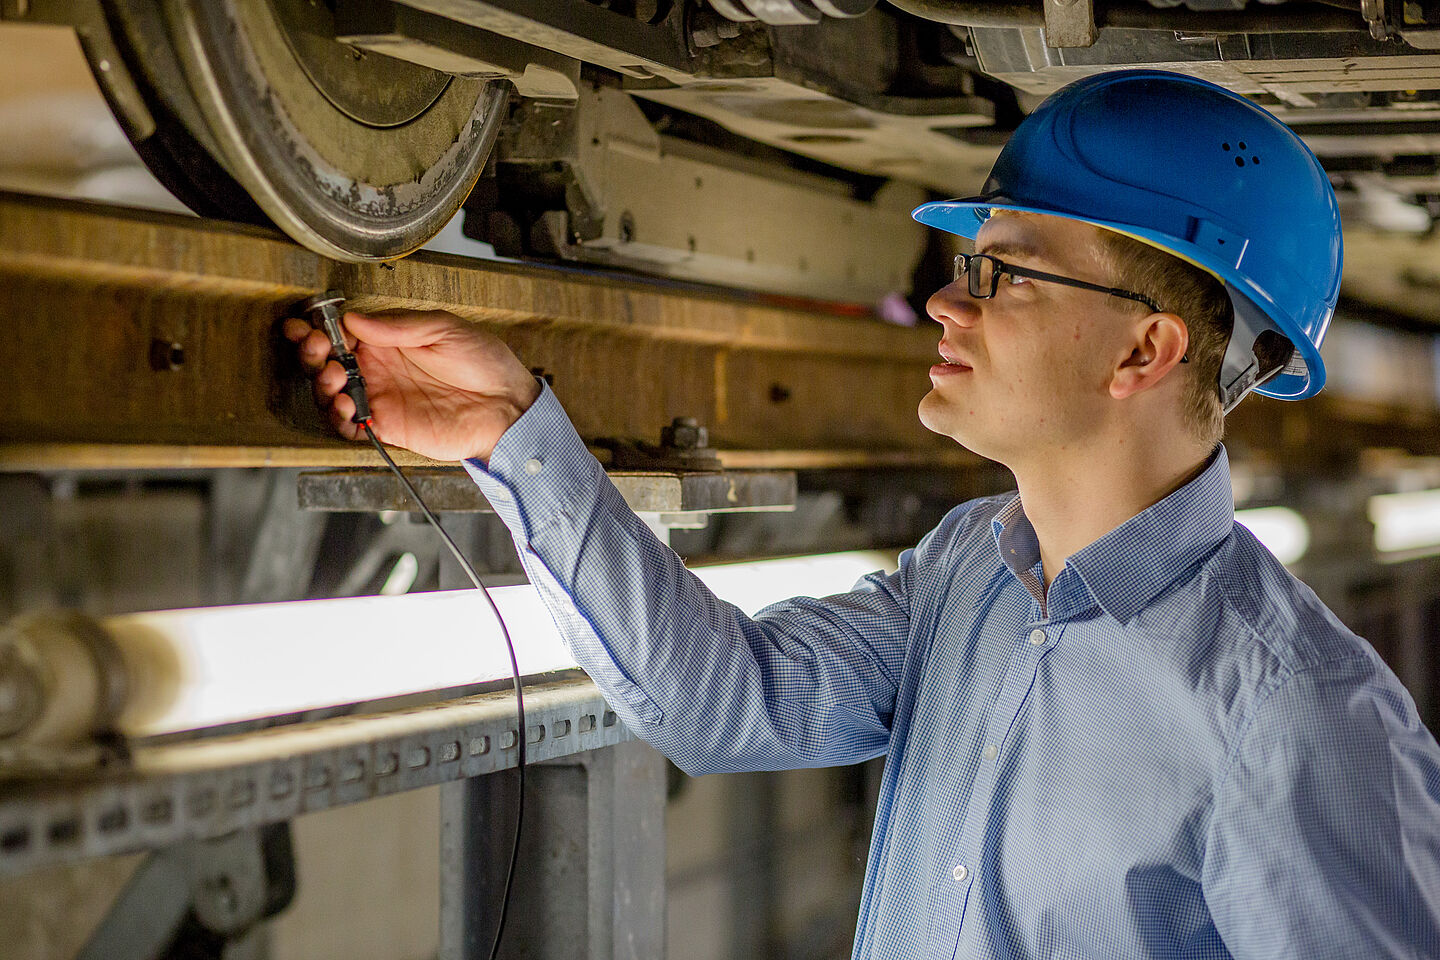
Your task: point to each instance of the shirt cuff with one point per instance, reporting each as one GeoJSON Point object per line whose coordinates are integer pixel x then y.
{"type": "Point", "coordinates": [538, 468]}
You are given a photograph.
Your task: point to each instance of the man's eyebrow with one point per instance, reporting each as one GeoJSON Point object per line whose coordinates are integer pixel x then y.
{"type": "Point", "coordinates": [1013, 248]}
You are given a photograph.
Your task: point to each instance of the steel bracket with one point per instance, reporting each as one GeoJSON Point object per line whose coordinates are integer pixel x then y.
{"type": "Point", "coordinates": [450, 490]}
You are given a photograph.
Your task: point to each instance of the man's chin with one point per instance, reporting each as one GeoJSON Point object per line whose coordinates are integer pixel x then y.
{"type": "Point", "coordinates": [939, 415]}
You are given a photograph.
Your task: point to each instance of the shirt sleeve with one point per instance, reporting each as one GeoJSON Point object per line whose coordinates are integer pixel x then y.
{"type": "Point", "coordinates": [1325, 836]}
{"type": "Point", "coordinates": [807, 682]}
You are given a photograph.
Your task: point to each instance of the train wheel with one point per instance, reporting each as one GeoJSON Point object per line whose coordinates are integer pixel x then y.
{"type": "Point", "coordinates": [356, 155]}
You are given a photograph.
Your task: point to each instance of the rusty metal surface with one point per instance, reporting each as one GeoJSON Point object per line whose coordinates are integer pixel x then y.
{"type": "Point", "coordinates": [87, 292]}
{"type": "Point", "coordinates": [450, 489]}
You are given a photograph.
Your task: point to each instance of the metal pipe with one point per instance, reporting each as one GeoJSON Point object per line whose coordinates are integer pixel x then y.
{"type": "Point", "coordinates": [1293, 18]}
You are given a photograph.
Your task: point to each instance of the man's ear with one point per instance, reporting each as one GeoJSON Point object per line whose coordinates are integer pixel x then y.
{"type": "Point", "coordinates": [1160, 342]}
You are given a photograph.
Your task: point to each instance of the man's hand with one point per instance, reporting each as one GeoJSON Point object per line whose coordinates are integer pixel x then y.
{"type": "Point", "coordinates": [438, 385]}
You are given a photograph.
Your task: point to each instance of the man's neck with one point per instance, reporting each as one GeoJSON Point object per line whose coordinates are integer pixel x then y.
{"type": "Point", "coordinates": [1075, 497]}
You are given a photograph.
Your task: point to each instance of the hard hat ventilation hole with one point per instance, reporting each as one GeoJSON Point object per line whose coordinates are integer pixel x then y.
{"type": "Point", "coordinates": [1239, 161]}
{"type": "Point", "coordinates": [1242, 144]}
{"type": "Point", "coordinates": [1254, 159]}
{"type": "Point", "coordinates": [1225, 146]}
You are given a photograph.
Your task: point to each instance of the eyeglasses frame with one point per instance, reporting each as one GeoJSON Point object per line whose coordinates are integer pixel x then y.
{"type": "Point", "coordinates": [963, 261]}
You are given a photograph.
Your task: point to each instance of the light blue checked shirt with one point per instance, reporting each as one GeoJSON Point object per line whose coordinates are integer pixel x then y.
{"type": "Point", "coordinates": [1180, 752]}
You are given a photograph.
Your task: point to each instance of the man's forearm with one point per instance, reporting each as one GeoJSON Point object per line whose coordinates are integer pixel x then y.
{"type": "Point", "coordinates": [687, 671]}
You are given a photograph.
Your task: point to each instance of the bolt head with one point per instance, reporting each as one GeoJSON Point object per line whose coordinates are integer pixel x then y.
{"type": "Point", "coordinates": [684, 433]}
{"type": "Point", "coordinates": [330, 298]}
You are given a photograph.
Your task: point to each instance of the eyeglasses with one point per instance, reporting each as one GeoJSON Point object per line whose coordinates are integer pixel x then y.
{"type": "Point", "coordinates": [984, 272]}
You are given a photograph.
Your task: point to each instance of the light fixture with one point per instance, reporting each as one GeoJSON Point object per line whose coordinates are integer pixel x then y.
{"type": "Point", "coordinates": [179, 670]}
{"type": "Point", "coordinates": [1406, 524]}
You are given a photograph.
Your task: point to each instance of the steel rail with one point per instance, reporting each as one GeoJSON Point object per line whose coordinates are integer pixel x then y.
{"type": "Point", "coordinates": [137, 339]}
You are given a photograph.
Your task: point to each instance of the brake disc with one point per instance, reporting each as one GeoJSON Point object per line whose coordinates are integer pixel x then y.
{"type": "Point", "coordinates": [357, 156]}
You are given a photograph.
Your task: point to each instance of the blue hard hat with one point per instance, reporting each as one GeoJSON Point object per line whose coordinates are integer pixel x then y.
{"type": "Point", "coordinates": [1200, 172]}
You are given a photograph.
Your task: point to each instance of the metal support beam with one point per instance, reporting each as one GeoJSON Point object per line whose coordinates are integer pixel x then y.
{"type": "Point", "coordinates": [753, 867]}
{"type": "Point", "coordinates": [452, 490]}
{"type": "Point", "coordinates": [287, 541]}
{"type": "Point", "coordinates": [86, 292]}
{"type": "Point", "coordinates": [582, 30]}
{"type": "Point", "coordinates": [170, 791]}
{"type": "Point", "coordinates": [441, 44]}
{"type": "Point", "coordinates": [590, 884]}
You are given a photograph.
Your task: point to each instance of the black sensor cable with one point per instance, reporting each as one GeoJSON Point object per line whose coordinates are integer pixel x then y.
{"type": "Point", "coordinates": [325, 314]}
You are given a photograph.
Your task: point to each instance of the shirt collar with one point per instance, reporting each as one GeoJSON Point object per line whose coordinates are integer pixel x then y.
{"type": "Point", "coordinates": [1132, 564]}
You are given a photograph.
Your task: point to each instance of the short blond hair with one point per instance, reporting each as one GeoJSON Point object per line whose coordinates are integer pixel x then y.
{"type": "Point", "coordinates": [1198, 299]}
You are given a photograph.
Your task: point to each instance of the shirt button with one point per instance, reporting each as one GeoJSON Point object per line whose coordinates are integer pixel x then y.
{"type": "Point", "coordinates": [533, 466]}
{"type": "Point", "coordinates": [1037, 637]}
{"type": "Point", "coordinates": [960, 873]}
{"type": "Point", "coordinates": [990, 752]}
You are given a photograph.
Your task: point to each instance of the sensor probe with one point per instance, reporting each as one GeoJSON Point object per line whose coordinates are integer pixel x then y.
{"type": "Point", "coordinates": [325, 314]}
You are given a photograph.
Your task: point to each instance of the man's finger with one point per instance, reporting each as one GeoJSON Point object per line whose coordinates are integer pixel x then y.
{"type": "Point", "coordinates": [343, 408]}
{"type": "Point", "coordinates": [314, 350]}
{"type": "Point", "coordinates": [296, 329]}
{"type": "Point", "coordinates": [401, 328]}
{"type": "Point", "coordinates": [341, 422]}
{"type": "Point", "coordinates": [322, 399]}
{"type": "Point", "coordinates": [330, 380]}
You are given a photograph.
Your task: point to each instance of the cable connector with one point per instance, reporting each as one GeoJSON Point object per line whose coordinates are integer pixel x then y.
{"type": "Point", "coordinates": [324, 312]}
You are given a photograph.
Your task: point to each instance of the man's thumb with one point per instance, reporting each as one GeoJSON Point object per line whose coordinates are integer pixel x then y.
{"type": "Point", "coordinates": [396, 328]}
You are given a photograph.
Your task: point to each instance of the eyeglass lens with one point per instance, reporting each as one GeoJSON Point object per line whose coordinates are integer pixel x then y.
{"type": "Point", "coordinates": [980, 271]}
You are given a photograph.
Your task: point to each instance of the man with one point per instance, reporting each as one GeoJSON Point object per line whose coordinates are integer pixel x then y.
{"type": "Point", "coordinates": [1114, 725]}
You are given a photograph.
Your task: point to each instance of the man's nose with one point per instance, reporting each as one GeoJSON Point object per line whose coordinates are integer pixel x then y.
{"type": "Point", "coordinates": [952, 304]}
